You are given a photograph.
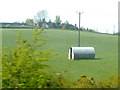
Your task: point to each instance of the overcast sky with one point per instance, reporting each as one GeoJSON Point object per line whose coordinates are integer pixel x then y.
{"type": "Point", "coordinates": [101, 15]}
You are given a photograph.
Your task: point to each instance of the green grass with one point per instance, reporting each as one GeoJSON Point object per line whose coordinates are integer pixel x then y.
{"type": "Point", "coordinates": [106, 48]}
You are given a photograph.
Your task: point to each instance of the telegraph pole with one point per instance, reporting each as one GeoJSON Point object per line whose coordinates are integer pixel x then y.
{"type": "Point", "coordinates": [79, 29]}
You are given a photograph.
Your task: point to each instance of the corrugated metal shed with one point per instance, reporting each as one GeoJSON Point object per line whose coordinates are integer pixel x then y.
{"type": "Point", "coordinates": [77, 53]}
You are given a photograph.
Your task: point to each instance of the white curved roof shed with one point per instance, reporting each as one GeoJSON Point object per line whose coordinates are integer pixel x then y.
{"type": "Point", "coordinates": [77, 53]}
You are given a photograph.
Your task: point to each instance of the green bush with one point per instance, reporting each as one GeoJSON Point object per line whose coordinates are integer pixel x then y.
{"type": "Point", "coordinates": [23, 67]}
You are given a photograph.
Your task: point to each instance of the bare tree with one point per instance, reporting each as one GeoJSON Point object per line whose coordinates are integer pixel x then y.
{"type": "Point", "coordinates": [41, 17]}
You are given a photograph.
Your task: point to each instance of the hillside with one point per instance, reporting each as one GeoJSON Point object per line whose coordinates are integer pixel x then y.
{"type": "Point", "coordinates": [106, 47]}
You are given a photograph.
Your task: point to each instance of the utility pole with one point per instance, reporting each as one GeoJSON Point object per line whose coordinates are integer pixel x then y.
{"type": "Point", "coordinates": [79, 29]}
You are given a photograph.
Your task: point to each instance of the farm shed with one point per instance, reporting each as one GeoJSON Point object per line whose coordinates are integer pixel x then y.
{"type": "Point", "coordinates": [77, 53]}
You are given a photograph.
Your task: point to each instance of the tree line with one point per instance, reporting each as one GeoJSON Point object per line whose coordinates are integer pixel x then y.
{"type": "Point", "coordinates": [41, 19]}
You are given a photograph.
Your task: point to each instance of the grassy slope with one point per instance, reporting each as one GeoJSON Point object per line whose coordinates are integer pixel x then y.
{"type": "Point", "coordinates": [105, 65]}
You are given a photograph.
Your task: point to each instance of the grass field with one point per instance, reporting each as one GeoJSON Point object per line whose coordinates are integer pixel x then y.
{"type": "Point", "coordinates": [106, 47]}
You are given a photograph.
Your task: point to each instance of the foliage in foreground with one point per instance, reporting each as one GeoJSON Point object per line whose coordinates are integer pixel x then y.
{"type": "Point", "coordinates": [85, 82]}
{"type": "Point", "coordinates": [23, 66]}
